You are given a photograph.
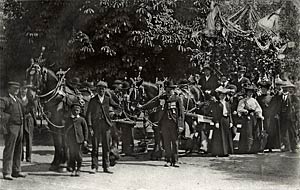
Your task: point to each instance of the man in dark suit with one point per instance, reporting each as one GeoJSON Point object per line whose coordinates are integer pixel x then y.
{"type": "Point", "coordinates": [100, 125]}
{"type": "Point", "coordinates": [241, 79]}
{"type": "Point", "coordinates": [208, 82]}
{"type": "Point", "coordinates": [289, 105]}
{"type": "Point", "coordinates": [11, 116]}
{"type": "Point", "coordinates": [29, 109]}
{"type": "Point", "coordinates": [170, 121]}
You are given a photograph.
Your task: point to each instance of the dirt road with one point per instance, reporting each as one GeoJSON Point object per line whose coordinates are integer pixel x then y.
{"type": "Point", "coordinates": [265, 171]}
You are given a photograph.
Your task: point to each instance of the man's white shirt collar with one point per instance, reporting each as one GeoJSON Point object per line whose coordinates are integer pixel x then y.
{"type": "Point", "coordinates": [101, 98]}
{"type": "Point", "coordinates": [207, 77]}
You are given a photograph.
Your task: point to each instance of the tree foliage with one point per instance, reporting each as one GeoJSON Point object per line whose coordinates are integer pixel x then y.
{"type": "Point", "coordinates": [111, 38]}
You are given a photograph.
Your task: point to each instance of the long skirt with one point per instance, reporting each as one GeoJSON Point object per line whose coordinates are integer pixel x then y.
{"type": "Point", "coordinates": [222, 144]}
{"type": "Point", "coordinates": [271, 125]}
{"type": "Point", "coordinates": [247, 134]}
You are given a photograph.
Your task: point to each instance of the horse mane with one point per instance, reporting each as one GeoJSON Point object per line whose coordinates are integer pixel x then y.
{"type": "Point", "coordinates": [148, 85]}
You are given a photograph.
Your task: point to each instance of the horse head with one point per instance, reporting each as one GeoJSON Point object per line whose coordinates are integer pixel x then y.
{"type": "Point", "coordinates": [41, 78]}
{"type": "Point", "coordinates": [141, 92]}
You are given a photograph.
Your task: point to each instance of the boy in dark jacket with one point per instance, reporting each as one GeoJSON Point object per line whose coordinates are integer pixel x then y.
{"type": "Point", "coordinates": [76, 132]}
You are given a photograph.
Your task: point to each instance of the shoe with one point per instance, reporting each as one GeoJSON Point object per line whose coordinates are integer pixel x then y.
{"type": "Point", "coordinates": [7, 177]}
{"type": "Point", "coordinates": [93, 171]}
{"type": "Point", "coordinates": [77, 173]}
{"type": "Point", "coordinates": [166, 165]}
{"type": "Point", "coordinates": [19, 174]}
{"type": "Point", "coordinates": [73, 174]}
{"type": "Point", "coordinates": [175, 166]}
{"type": "Point", "coordinates": [107, 171]}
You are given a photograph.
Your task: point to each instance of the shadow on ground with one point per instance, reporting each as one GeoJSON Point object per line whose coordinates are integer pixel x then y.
{"type": "Point", "coordinates": [275, 167]}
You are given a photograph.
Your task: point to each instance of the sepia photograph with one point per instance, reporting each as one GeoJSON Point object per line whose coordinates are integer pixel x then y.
{"type": "Point", "coordinates": [149, 94]}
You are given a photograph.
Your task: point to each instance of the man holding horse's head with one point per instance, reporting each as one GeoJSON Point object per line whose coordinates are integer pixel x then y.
{"type": "Point", "coordinates": [11, 116]}
{"type": "Point", "coordinates": [100, 125]}
{"type": "Point", "coordinates": [170, 120]}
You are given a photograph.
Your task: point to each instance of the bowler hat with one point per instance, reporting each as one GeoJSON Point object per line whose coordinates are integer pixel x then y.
{"type": "Point", "coordinates": [75, 81]}
{"type": "Point", "coordinates": [169, 84]}
{"type": "Point", "coordinates": [14, 84]}
{"type": "Point", "coordinates": [102, 84]}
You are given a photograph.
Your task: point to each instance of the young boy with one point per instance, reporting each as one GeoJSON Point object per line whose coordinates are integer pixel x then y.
{"type": "Point", "coordinates": [76, 132]}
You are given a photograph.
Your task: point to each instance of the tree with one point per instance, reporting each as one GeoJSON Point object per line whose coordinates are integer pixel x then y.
{"type": "Point", "coordinates": [112, 38]}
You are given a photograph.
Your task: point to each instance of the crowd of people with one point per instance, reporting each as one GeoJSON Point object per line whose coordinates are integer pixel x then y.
{"type": "Point", "coordinates": [268, 112]}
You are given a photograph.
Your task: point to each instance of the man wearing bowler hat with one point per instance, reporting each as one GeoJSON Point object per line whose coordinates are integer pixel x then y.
{"type": "Point", "coordinates": [100, 125]}
{"type": "Point", "coordinates": [170, 121]}
{"type": "Point", "coordinates": [11, 116]}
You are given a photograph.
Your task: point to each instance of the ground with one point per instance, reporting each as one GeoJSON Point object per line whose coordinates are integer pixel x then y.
{"type": "Point", "coordinates": [261, 171]}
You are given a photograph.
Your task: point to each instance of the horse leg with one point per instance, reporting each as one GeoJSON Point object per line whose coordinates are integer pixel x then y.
{"type": "Point", "coordinates": [63, 153]}
{"type": "Point", "coordinates": [60, 151]}
{"type": "Point", "coordinates": [157, 152]}
{"type": "Point", "coordinates": [55, 162]}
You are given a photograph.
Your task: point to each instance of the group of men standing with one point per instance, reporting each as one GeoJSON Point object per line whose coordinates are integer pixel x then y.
{"type": "Point", "coordinates": [263, 115]}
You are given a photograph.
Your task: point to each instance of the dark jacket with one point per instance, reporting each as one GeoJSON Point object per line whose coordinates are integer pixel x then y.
{"type": "Point", "coordinates": [289, 107]}
{"type": "Point", "coordinates": [241, 83]}
{"type": "Point", "coordinates": [218, 112]}
{"type": "Point", "coordinates": [11, 112]}
{"type": "Point", "coordinates": [97, 111]}
{"type": "Point", "coordinates": [172, 106]}
{"type": "Point", "coordinates": [29, 109]}
{"type": "Point", "coordinates": [79, 126]}
{"type": "Point", "coordinates": [210, 84]}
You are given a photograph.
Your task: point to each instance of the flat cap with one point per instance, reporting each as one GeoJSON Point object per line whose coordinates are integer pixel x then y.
{"type": "Point", "coordinates": [101, 84]}
{"type": "Point", "coordinates": [118, 82]}
{"type": "Point", "coordinates": [14, 84]}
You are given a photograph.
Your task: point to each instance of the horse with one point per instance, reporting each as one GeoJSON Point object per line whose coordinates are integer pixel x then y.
{"type": "Point", "coordinates": [55, 98]}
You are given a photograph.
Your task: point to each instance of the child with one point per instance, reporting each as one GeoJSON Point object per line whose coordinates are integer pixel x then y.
{"type": "Point", "coordinates": [76, 132]}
